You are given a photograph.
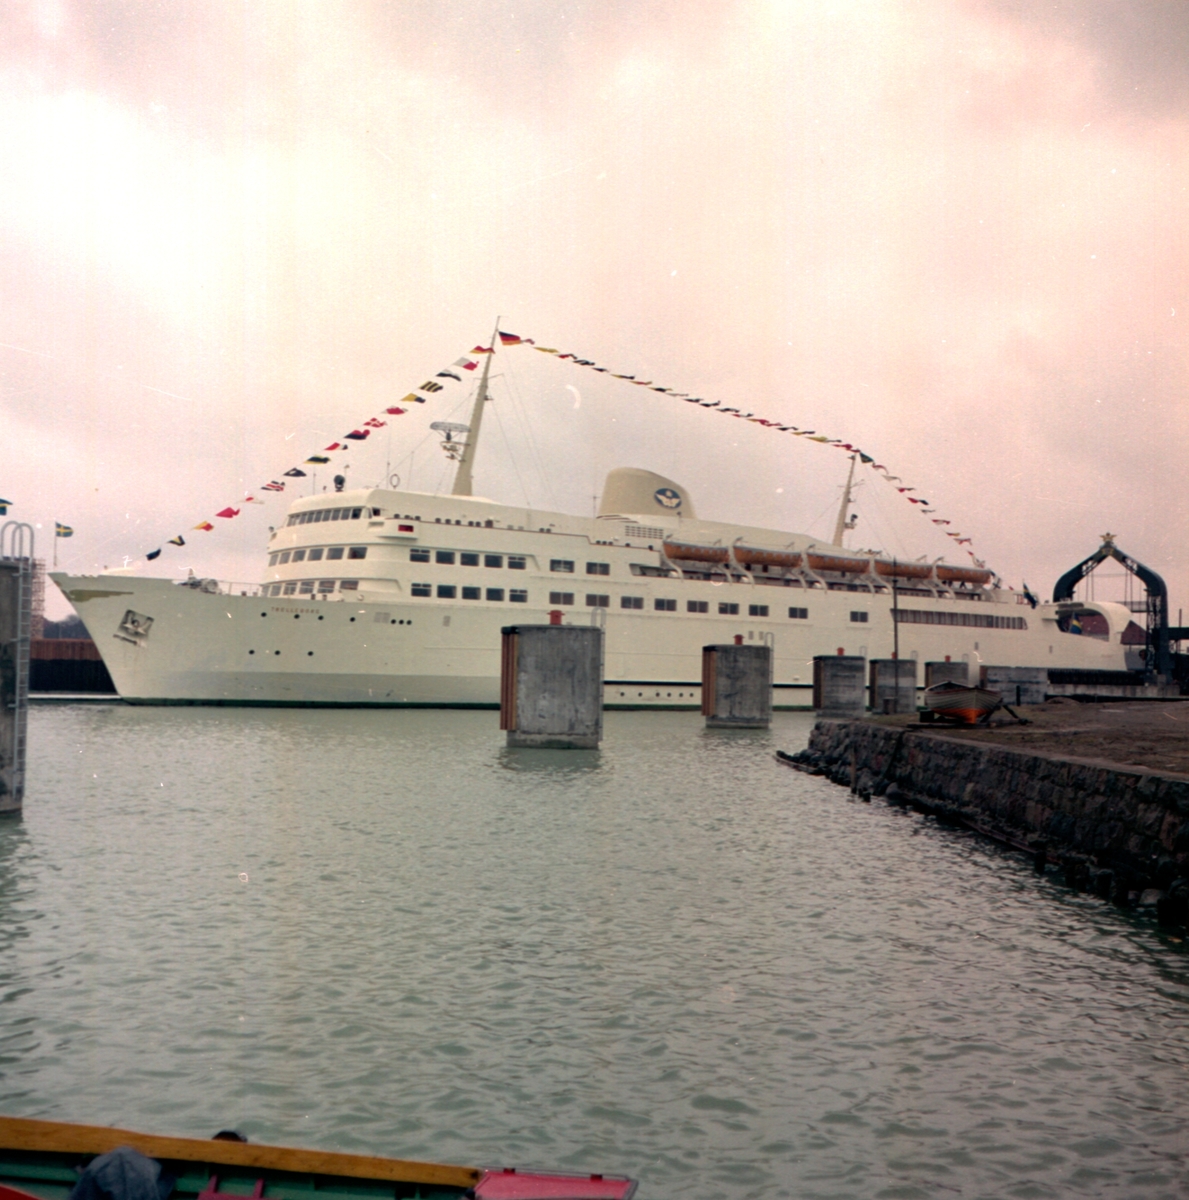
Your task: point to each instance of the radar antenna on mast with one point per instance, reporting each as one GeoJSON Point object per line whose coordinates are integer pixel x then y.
{"type": "Point", "coordinates": [454, 449]}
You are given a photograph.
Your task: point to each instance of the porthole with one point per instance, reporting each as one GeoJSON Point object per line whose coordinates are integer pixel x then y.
{"type": "Point", "coordinates": [297, 616]}
{"type": "Point", "coordinates": [309, 654]}
{"type": "Point", "coordinates": [251, 651]}
{"type": "Point", "coordinates": [276, 652]}
{"type": "Point", "coordinates": [264, 614]}
{"type": "Point", "coordinates": [352, 620]}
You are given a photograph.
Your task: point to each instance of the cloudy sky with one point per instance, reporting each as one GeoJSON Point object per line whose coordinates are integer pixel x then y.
{"type": "Point", "coordinates": [953, 233]}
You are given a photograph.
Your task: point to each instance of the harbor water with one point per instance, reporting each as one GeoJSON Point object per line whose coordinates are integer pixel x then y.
{"type": "Point", "coordinates": [383, 931]}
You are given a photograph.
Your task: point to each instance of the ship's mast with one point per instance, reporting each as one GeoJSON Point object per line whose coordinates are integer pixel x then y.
{"type": "Point", "coordinates": [840, 525]}
{"type": "Point", "coordinates": [464, 476]}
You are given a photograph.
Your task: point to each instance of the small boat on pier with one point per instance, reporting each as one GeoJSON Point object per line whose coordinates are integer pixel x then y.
{"type": "Point", "coordinates": [961, 703]}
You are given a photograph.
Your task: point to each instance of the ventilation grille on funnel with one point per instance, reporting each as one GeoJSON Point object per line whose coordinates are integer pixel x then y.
{"type": "Point", "coordinates": [644, 531]}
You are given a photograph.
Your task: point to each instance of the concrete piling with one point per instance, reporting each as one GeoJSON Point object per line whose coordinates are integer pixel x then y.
{"type": "Point", "coordinates": [893, 685]}
{"type": "Point", "coordinates": [1019, 685]}
{"type": "Point", "coordinates": [839, 685]}
{"type": "Point", "coordinates": [551, 686]}
{"type": "Point", "coordinates": [946, 672]}
{"type": "Point", "coordinates": [16, 616]}
{"type": "Point", "coordinates": [737, 686]}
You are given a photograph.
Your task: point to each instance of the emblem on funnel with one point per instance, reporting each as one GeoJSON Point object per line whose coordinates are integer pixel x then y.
{"type": "Point", "coordinates": [667, 497]}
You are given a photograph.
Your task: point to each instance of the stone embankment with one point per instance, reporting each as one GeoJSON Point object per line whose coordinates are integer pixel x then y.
{"type": "Point", "coordinates": [1120, 832]}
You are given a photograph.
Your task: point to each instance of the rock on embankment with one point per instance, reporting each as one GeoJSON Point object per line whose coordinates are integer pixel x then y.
{"type": "Point", "coordinates": [1120, 832]}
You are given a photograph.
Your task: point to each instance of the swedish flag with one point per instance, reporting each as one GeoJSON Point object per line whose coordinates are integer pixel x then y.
{"type": "Point", "coordinates": [61, 530]}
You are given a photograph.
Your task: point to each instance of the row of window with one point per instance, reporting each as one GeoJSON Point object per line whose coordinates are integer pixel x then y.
{"type": "Point", "coordinates": [662, 604]}
{"type": "Point", "coordinates": [913, 616]}
{"type": "Point", "coordinates": [314, 515]}
{"type": "Point", "coordinates": [311, 587]}
{"type": "Point", "coordinates": [448, 591]}
{"type": "Point", "coordinates": [465, 558]}
{"type": "Point", "coordinates": [566, 566]}
{"type": "Point", "coordinates": [515, 562]}
{"type": "Point", "coordinates": [330, 553]}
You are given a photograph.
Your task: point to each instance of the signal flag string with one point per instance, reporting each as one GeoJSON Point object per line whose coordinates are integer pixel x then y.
{"type": "Point", "coordinates": [470, 362]}
{"type": "Point", "coordinates": [511, 339]}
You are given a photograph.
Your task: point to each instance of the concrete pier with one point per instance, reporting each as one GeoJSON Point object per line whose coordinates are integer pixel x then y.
{"type": "Point", "coordinates": [1102, 791]}
{"type": "Point", "coordinates": [737, 686]}
{"type": "Point", "coordinates": [946, 672]}
{"type": "Point", "coordinates": [839, 686]}
{"type": "Point", "coordinates": [893, 685]}
{"type": "Point", "coordinates": [551, 686]}
{"type": "Point", "coordinates": [1019, 685]}
{"type": "Point", "coordinates": [16, 614]}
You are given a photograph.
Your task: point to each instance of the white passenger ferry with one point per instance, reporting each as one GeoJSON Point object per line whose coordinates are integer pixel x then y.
{"type": "Point", "coordinates": [388, 598]}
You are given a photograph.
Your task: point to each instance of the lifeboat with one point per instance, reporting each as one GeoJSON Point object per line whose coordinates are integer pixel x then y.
{"type": "Point", "coordinates": [838, 562]}
{"type": "Point", "coordinates": [759, 556]}
{"type": "Point", "coordinates": [964, 575]}
{"type": "Point", "coordinates": [903, 570]}
{"type": "Point", "coordinates": [692, 552]}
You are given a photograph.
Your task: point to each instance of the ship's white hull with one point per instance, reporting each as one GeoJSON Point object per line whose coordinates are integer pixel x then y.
{"type": "Point", "coordinates": [201, 648]}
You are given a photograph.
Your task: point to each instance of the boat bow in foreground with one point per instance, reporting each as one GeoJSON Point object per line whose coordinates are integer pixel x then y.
{"type": "Point", "coordinates": [42, 1160]}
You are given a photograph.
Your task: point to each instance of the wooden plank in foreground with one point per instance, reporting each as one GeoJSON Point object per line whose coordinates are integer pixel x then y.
{"type": "Point", "coordinates": [21, 1133]}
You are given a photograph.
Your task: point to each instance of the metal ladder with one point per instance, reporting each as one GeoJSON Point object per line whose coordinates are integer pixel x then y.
{"type": "Point", "coordinates": [16, 545]}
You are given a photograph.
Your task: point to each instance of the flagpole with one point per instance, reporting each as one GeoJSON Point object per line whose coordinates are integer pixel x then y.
{"type": "Point", "coordinates": [895, 615]}
{"type": "Point", "coordinates": [464, 476]}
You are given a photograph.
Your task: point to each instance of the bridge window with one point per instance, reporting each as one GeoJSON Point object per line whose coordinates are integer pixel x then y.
{"type": "Point", "coordinates": [728, 610]}
{"type": "Point", "coordinates": [799, 614]}
{"type": "Point", "coordinates": [697, 606]}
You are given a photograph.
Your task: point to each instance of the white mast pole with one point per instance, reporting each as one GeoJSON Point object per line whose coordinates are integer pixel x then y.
{"type": "Point", "coordinates": [840, 524]}
{"type": "Point", "coordinates": [464, 476]}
